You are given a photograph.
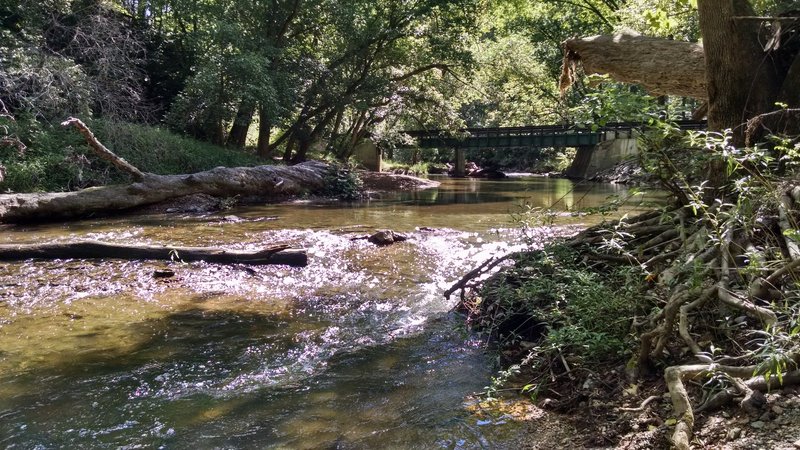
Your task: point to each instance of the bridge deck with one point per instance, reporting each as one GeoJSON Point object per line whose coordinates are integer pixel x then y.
{"type": "Point", "coordinates": [540, 136]}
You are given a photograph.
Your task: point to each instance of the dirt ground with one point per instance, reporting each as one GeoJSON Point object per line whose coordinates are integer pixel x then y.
{"type": "Point", "coordinates": [595, 417]}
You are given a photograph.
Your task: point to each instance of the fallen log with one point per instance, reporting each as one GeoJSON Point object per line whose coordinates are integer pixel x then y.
{"type": "Point", "coordinates": [223, 182]}
{"type": "Point", "coordinates": [662, 66]}
{"type": "Point", "coordinates": [262, 181]}
{"type": "Point", "coordinates": [278, 254]}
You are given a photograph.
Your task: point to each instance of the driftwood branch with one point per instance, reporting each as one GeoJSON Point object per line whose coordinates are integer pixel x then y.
{"type": "Point", "coordinates": [102, 151]}
{"type": "Point", "coordinates": [477, 272]}
{"type": "Point", "coordinates": [277, 254]}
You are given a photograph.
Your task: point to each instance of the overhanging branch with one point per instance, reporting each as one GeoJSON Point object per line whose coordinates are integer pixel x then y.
{"type": "Point", "coordinates": [637, 59]}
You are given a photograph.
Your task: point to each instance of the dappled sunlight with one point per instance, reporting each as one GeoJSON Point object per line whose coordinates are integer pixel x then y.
{"type": "Point", "coordinates": [357, 347]}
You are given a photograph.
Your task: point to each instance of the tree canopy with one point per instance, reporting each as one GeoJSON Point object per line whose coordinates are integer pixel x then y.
{"type": "Point", "coordinates": [293, 76]}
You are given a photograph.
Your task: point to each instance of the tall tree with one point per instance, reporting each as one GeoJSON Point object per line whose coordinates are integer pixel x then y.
{"type": "Point", "coordinates": [742, 77]}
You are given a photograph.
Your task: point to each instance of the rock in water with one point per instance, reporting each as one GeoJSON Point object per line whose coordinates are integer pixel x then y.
{"type": "Point", "coordinates": [386, 237]}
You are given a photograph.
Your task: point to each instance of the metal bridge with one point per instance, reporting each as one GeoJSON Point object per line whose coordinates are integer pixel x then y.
{"type": "Point", "coordinates": [532, 137]}
{"type": "Point", "coordinates": [538, 136]}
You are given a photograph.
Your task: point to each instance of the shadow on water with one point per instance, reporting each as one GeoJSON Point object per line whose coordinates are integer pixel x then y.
{"type": "Point", "coordinates": [232, 378]}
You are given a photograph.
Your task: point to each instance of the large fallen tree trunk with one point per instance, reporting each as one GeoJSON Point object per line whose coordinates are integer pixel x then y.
{"type": "Point", "coordinates": [261, 181]}
{"type": "Point", "coordinates": [279, 254]}
{"type": "Point", "coordinates": [662, 66]}
{"type": "Point", "coordinates": [266, 181]}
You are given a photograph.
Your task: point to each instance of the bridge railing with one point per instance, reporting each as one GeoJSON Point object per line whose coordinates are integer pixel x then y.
{"type": "Point", "coordinates": [542, 130]}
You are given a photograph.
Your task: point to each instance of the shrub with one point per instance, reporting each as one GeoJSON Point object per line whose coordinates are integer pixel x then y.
{"type": "Point", "coordinates": [342, 182]}
{"type": "Point", "coordinates": [553, 300]}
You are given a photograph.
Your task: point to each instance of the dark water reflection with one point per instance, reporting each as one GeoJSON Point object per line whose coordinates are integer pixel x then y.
{"type": "Point", "coordinates": [357, 350]}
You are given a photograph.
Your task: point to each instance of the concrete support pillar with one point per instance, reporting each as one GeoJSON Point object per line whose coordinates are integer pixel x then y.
{"type": "Point", "coordinates": [369, 155]}
{"type": "Point", "coordinates": [460, 162]}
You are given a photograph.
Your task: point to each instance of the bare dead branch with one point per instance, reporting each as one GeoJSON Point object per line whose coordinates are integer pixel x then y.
{"type": "Point", "coordinates": [102, 151]}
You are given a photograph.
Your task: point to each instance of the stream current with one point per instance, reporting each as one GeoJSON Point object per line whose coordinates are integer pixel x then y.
{"type": "Point", "coordinates": [357, 350]}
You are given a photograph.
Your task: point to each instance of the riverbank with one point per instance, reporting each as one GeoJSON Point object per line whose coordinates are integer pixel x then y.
{"type": "Point", "coordinates": [587, 327]}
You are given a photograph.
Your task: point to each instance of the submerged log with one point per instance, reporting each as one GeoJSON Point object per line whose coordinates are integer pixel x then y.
{"type": "Point", "coordinates": [662, 66]}
{"type": "Point", "coordinates": [278, 254]}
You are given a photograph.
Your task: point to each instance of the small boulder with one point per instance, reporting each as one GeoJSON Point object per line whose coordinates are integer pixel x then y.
{"type": "Point", "coordinates": [386, 237]}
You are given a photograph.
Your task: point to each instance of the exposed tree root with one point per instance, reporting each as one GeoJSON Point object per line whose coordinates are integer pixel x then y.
{"type": "Point", "coordinates": [643, 405]}
{"type": "Point", "coordinates": [744, 384]}
{"type": "Point", "coordinates": [726, 286]}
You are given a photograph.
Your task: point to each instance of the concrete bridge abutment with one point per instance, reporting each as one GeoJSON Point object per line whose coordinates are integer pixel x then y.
{"type": "Point", "coordinates": [460, 169]}
{"type": "Point", "coordinates": [589, 161]}
{"type": "Point", "coordinates": [369, 155]}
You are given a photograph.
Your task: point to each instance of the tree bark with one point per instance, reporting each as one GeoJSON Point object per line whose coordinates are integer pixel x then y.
{"type": "Point", "coordinates": [662, 66]}
{"type": "Point", "coordinates": [279, 254]}
{"type": "Point", "coordinates": [244, 116]}
{"type": "Point", "coordinates": [790, 92]}
{"type": "Point", "coordinates": [260, 181]}
{"type": "Point", "coordinates": [742, 82]}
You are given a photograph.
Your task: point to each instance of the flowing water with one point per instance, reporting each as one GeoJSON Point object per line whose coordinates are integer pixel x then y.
{"type": "Point", "coordinates": [357, 350]}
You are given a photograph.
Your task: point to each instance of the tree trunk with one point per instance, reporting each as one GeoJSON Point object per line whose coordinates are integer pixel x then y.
{"type": "Point", "coordinates": [217, 131]}
{"type": "Point", "coordinates": [261, 181]}
{"type": "Point", "coordinates": [244, 116]}
{"type": "Point", "coordinates": [790, 92]}
{"type": "Point", "coordinates": [287, 152]}
{"type": "Point", "coordinates": [280, 254]}
{"type": "Point", "coordinates": [639, 59]}
{"type": "Point", "coordinates": [742, 82]}
{"type": "Point", "coordinates": [302, 149]}
{"type": "Point", "coordinates": [264, 133]}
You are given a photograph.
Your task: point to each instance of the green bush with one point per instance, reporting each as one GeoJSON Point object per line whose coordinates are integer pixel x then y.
{"type": "Point", "coordinates": [552, 299]}
{"type": "Point", "coordinates": [342, 182]}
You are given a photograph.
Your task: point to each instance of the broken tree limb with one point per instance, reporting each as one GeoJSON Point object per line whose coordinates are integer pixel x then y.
{"type": "Point", "coordinates": [260, 181]}
{"type": "Point", "coordinates": [102, 151]}
{"type": "Point", "coordinates": [475, 273]}
{"type": "Point", "coordinates": [279, 254]}
{"type": "Point", "coordinates": [631, 58]}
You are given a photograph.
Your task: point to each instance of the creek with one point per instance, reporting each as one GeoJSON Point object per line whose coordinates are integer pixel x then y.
{"type": "Point", "coordinates": [357, 350]}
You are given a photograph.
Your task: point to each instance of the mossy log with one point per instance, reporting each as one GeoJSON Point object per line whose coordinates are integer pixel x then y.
{"type": "Point", "coordinates": [279, 254]}
{"type": "Point", "coordinates": [148, 188]}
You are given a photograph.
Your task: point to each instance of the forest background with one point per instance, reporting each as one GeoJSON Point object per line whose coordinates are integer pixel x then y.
{"type": "Point", "coordinates": [168, 84]}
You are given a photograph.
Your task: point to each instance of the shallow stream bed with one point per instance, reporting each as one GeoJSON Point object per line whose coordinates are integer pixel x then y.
{"type": "Point", "coordinates": [357, 350]}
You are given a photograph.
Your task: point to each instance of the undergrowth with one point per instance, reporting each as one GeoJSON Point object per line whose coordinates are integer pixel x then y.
{"type": "Point", "coordinates": [553, 308]}
{"type": "Point", "coordinates": [53, 159]}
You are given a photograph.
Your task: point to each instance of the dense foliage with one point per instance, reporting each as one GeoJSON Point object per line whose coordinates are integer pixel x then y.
{"type": "Point", "coordinates": [297, 78]}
